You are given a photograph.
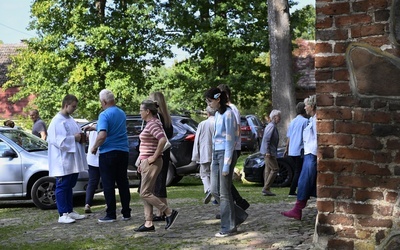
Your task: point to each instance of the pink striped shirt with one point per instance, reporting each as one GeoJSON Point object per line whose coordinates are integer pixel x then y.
{"type": "Point", "coordinates": [149, 138]}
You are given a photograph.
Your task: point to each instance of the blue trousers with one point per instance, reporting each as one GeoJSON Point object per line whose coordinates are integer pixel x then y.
{"type": "Point", "coordinates": [221, 185]}
{"type": "Point", "coordinates": [64, 193]}
{"type": "Point", "coordinates": [114, 169]}
{"type": "Point", "coordinates": [307, 185]}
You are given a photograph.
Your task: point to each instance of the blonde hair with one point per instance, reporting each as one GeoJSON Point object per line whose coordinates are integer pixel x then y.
{"type": "Point", "coordinates": [162, 107]}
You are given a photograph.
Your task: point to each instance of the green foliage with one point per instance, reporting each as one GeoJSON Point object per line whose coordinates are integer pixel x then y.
{"type": "Point", "coordinates": [302, 23]}
{"type": "Point", "coordinates": [83, 48]}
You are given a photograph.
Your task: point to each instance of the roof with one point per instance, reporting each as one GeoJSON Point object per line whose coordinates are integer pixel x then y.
{"type": "Point", "coordinates": [6, 51]}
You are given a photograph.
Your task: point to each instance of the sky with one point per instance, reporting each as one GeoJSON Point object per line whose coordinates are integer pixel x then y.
{"type": "Point", "coordinates": [15, 16]}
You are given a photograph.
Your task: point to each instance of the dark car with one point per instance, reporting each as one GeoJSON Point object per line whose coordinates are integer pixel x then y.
{"type": "Point", "coordinates": [181, 148]}
{"type": "Point", "coordinates": [252, 130]}
{"type": "Point", "coordinates": [254, 166]}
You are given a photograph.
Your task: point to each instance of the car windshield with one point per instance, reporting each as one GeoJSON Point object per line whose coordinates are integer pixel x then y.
{"type": "Point", "coordinates": [25, 140]}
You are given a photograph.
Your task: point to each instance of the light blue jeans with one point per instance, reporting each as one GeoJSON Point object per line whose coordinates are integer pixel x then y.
{"type": "Point", "coordinates": [231, 214]}
{"type": "Point", "coordinates": [307, 185]}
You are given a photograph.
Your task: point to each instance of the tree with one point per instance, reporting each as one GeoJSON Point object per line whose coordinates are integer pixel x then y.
{"type": "Point", "coordinates": [282, 86]}
{"type": "Point", "coordinates": [224, 40]}
{"type": "Point", "coordinates": [83, 47]}
{"type": "Point", "coordinates": [302, 23]}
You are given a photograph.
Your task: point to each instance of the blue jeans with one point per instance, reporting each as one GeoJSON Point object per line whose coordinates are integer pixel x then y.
{"type": "Point", "coordinates": [307, 185]}
{"type": "Point", "coordinates": [114, 169]}
{"type": "Point", "coordinates": [64, 193]}
{"type": "Point", "coordinates": [94, 179]}
{"type": "Point", "coordinates": [231, 214]}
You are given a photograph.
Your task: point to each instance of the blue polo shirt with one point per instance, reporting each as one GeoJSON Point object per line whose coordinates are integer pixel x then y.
{"type": "Point", "coordinates": [113, 121]}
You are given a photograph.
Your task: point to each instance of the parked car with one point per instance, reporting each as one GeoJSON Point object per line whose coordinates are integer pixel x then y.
{"type": "Point", "coordinates": [181, 148]}
{"type": "Point", "coordinates": [252, 130]}
{"type": "Point", "coordinates": [254, 166]}
{"type": "Point", "coordinates": [24, 169]}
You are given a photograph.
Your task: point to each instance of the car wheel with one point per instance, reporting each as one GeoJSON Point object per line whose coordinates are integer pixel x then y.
{"type": "Point", "coordinates": [172, 177]}
{"type": "Point", "coordinates": [43, 193]}
{"type": "Point", "coordinates": [285, 174]}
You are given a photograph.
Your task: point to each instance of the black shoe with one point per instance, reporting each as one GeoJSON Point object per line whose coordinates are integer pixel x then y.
{"type": "Point", "coordinates": [159, 218]}
{"type": "Point", "coordinates": [171, 219]}
{"type": "Point", "coordinates": [143, 228]}
{"type": "Point", "coordinates": [243, 204]}
{"type": "Point", "coordinates": [241, 220]}
{"type": "Point", "coordinates": [218, 216]}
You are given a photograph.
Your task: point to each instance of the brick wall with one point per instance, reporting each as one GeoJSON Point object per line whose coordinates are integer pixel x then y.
{"type": "Point", "coordinates": [358, 137]}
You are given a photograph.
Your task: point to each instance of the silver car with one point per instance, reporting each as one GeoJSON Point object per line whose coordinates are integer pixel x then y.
{"type": "Point", "coordinates": [24, 169]}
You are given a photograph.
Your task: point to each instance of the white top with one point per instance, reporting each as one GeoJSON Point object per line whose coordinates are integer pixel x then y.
{"type": "Point", "coordinates": [202, 147]}
{"type": "Point", "coordinates": [310, 136]}
{"type": "Point", "coordinates": [92, 159]}
{"type": "Point", "coordinates": [235, 110]}
{"type": "Point", "coordinates": [66, 156]}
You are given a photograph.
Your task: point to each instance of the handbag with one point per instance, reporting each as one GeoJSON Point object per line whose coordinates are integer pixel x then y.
{"type": "Point", "coordinates": [167, 145]}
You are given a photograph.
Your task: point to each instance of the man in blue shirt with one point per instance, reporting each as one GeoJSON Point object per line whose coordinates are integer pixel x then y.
{"type": "Point", "coordinates": [112, 141]}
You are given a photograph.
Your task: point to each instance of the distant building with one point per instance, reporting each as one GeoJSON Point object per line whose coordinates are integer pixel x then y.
{"type": "Point", "coordinates": [9, 109]}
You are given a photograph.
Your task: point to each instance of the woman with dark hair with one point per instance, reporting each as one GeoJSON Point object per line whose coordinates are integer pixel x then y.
{"type": "Point", "coordinates": [160, 189]}
{"type": "Point", "coordinates": [307, 185]}
{"type": "Point", "coordinates": [224, 140]}
{"type": "Point", "coordinates": [152, 141]}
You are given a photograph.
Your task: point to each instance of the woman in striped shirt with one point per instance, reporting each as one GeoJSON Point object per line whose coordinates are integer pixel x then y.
{"type": "Point", "coordinates": [152, 140]}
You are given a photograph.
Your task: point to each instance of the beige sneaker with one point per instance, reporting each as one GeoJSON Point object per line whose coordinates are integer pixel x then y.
{"type": "Point", "coordinates": [65, 219]}
{"type": "Point", "coordinates": [87, 209]}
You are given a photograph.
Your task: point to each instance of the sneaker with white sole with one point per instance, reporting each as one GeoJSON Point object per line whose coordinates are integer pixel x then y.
{"type": "Point", "coordinates": [87, 209]}
{"type": "Point", "coordinates": [106, 219]}
{"type": "Point", "coordinates": [65, 219]}
{"type": "Point", "coordinates": [76, 216]}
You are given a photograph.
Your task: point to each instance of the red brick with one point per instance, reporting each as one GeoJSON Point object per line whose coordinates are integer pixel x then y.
{"type": "Point", "coordinates": [340, 244]}
{"type": "Point", "coordinates": [349, 127]}
{"type": "Point", "coordinates": [391, 196]}
{"type": "Point", "coordinates": [334, 113]}
{"type": "Point", "coordinates": [325, 179]}
{"type": "Point", "coordinates": [336, 219]}
{"type": "Point", "coordinates": [341, 88]}
{"type": "Point", "coordinates": [330, 61]}
{"type": "Point", "coordinates": [334, 192]}
{"type": "Point", "coordinates": [332, 34]}
{"type": "Point", "coordinates": [360, 6]}
{"type": "Point", "coordinates": [376, 41]}
{"type": "Point", "coordinates": [354, 181]}
{"type": "Point", "coordinates": [392, 144]}
{"type": "Point", "coordinates": [352, 208]}
{"type": "Point", "coordinates": [325, 100]}
{"type": "Point", "coordinates": [321, 47]}
{"type": "Point", "coordinates": [334, 139]}
{"type": "Point", "coordinates": [371, 222]}
{"type": "Point", "coordinates": [340, 47]}
{"type": "Point", "coordinates": [347, 100]}
{"type": "Point", "coordinates": [390, 183]}
{"type": "Point", "coordinates": [336, 166]}
{"type": "Point", "coordinates": [383, 157]}
{"type": "Point", "coordinates": [371, 169]}
{"type": "Point", "coordinates": [325, 152]}
{"type": "Point", "coordinates": [367, 142]}
{"type": "Point", "coordinates": [322, 23]}
{"type": "Point", "coordinates": [341, 75]}
{"type": "Point", "coordinates": [325, 127]}
{"type": "Point", "coordinates": [334, 9]}
{"type": "Point", "coordinates": [355, 19]}
{"type": "Point", "coordinates": [372, 116]}
{"type": "Point", "coordinates": [346, 232]}
{"type": "Point", "coordinates": [325, 206]}
{"type": "Point", "coordinates": [365, 195]}
{"type": "Point", "coordinates": [354, 154]}
{"type": "Point", "coordinates": [384, 210]}
{"type": "Point", "coordinates": [323, 75]}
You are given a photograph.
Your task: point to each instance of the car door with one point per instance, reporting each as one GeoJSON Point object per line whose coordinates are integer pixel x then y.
{"type": "Point", "coordinates": [10, 171]}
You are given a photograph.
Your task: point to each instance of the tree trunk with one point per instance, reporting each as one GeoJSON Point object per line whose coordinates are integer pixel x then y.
{"type": "Point", "coordinates": [283, 96]}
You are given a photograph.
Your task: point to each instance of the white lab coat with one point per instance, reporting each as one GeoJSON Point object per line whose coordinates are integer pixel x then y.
{"type": "Point", "coordinates": [66, 156]}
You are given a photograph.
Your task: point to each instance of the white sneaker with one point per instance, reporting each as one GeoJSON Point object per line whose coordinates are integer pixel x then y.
{"type": "Point", "coordinates": [65, 219]}
{"type": "Point", "coordinates": [76, 216]}
{"type": "Point", "coordinates": [87, 209]}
